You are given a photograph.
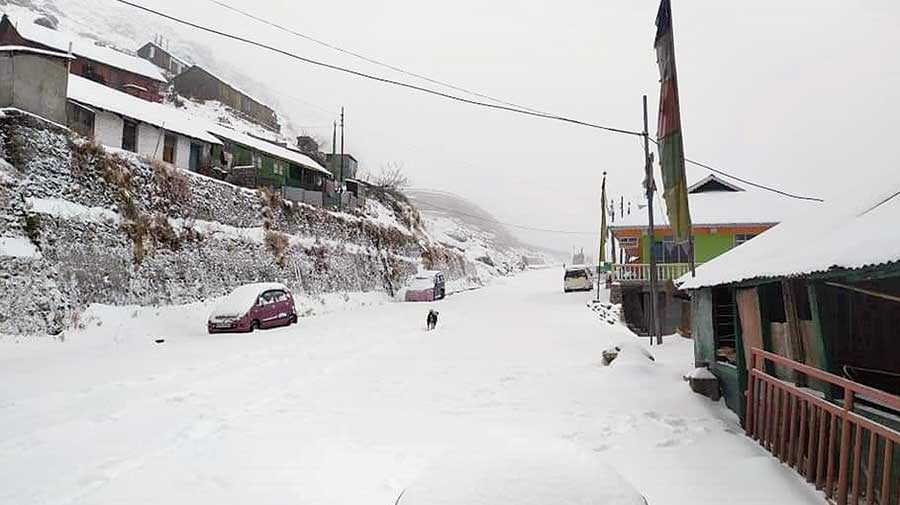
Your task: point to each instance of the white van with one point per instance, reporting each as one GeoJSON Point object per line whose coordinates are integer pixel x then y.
{"type": "Point", "coordinates": [577, 278]}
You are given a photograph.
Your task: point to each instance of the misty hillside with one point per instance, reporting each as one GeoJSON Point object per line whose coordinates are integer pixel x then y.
{"type": "Point", "coordinates": [440, 203]}
{"type": "Point", "coordinates": [126, 29]}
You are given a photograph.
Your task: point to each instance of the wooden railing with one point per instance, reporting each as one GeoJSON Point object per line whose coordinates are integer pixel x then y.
{"type": "Point", "coordinates": [641, 271]}
{"type": "Point", "coordinates": [824, 440]}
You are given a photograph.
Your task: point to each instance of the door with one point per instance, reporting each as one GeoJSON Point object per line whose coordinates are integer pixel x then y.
{"type": "Point", "coordinates": [282, 307]}
{"type": "Point", "coordinates": [268, 309]}
{"type": "Point", "coordinates": [196, 155]}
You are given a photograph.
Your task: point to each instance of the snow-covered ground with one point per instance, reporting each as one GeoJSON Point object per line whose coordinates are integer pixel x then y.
{"type": "Point", "coordinates": [349, 407]}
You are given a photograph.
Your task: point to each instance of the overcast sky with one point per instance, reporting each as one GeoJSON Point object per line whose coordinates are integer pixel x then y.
{"type": "Point", "coordinates": [802, 95]}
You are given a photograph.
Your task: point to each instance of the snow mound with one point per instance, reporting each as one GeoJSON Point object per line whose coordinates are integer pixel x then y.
{"type": "Point", "coordinates": [519, 472]}
{"type": "Point", "coordinates": [18, 247]}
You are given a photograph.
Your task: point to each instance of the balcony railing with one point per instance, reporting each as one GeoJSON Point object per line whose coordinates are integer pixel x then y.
{"type": "Point", "coordinates": [848, 456]}
{"type": "Point", "coordinates": [640, 272]}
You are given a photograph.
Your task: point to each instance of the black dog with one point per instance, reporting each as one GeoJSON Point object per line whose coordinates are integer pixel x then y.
{"type": "Point", "coordinates": [431, 321]}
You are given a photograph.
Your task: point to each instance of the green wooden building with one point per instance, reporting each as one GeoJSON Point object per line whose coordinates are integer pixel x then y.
{"type": "Point", "coordinates": [821, 294]}
{"type": "Point", "coordinates": [724, 215]}
{"type": "Point", "coordinates": [256, 163]}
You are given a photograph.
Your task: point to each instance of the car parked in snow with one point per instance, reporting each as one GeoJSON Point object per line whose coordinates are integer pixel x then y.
{"type": "Point", "coordinates": [427, 286]}
{"type": "Point", "coordinates": [577, 278]}
{"type": "Point", "coordinates": [253, 306]}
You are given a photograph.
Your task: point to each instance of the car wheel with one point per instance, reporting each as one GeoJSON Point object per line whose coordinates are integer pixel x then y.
{"type": "Point", "coordinates": [293, 319]}
{"type": "Point", "coordinates": [254, 326]}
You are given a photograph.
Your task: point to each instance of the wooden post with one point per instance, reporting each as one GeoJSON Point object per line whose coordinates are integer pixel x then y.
{"type": "Point", "coordinates": [649, 183]}
{"type": "Point", "coordinates": [794, 328]}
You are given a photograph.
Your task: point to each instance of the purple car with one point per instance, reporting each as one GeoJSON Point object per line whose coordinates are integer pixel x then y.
{"type": "Point", "coordinates": [253, 306]}
{"type": "Point", "coordinates": [427, 286]}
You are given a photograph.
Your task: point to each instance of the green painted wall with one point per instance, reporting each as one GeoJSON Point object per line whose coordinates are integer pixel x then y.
{"type": "Point", "coordinates": [707, 247]}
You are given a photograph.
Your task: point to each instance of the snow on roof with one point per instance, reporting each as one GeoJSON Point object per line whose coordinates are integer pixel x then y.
{"type": "Point", "coordinates": [227, 83]}
{"type": "Point", "coordinates": [268, 147]}
{"type": "Point", "coordinates": [172, 56]}
{"type": "Point", "coordinates": [239, 301]}
{"type": "Point", "coordinates": [99, 96]}
{"type": "Point", "coordinates": [748, 206]}
{"type": "Point", "coordinates": [26, 49]}
{"type": "Point", "coordinates": [85, 48]}
{"type": "Point", "coordinates": [854, 233]}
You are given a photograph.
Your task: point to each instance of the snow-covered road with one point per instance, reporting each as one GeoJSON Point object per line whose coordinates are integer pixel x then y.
{"type": "Point", "coordinates": [348, 407]}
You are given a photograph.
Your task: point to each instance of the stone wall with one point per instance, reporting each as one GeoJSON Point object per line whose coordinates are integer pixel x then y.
{"type": "Point", "coordinates": [115, 228]}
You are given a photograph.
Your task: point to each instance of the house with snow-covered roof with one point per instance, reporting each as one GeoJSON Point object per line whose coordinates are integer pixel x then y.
{"type": "Point", "coordinates": [801, 330]}
{"type": "Point", "coordinates": [724, 215]}
{"type": "Point", "coordinates": [105, 65]}
{"type": "Point", "coordinates": [255, 162]}
{"type": "Point", "coordinates": [155, 53]}
{"type": "Point", "coordinates": [201, 84]}
{"type": "Point", "coordinates": [121, 121]}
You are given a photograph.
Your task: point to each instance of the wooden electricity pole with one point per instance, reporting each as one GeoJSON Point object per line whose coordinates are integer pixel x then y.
{"type": "Point", "coordinates": [650, 186]}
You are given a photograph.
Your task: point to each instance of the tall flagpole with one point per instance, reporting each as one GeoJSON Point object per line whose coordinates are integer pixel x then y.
{"type": "Point", "coordinates": [650, 186]}
{"type": "Point", "coordinates": [601, 257]}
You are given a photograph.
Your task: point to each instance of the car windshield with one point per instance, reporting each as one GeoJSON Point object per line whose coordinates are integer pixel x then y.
{"type": "Point", "coordinates": [422, 283]}
{"type": "Point", "coordinates": [576, 274]}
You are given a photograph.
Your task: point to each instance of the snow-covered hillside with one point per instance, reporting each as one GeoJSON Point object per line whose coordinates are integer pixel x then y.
{"type": "Point", "coordinates": [81, 225]}
{"type": "Point", "coordinates": [463, 226]}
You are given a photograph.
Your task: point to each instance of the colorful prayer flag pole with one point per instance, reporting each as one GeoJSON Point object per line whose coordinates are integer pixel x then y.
{"type": "Point", "coordinates": [668, 136]}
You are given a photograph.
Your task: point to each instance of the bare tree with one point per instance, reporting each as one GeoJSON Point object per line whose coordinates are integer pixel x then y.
{"type": "Point", "coordinates": [391, 175]}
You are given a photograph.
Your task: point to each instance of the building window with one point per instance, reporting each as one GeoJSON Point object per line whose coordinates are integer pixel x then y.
{"type": "Point", "coordinates": [669, 251]}
{"type": "Point", "coordinates": [129, 136]}
{"type": "Point", "coordinates": [740, 238]}
{"type": "Point", "coordinates": [627, 242]}
{"type": "Point", "coordinates": [92, 73]}
{"type": "Point", "coordinates": [169, 148]}
{"type": "Point", "coordinates": [725, 325]}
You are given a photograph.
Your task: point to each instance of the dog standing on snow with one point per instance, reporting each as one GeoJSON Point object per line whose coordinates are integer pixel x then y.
{"type": "Point", "coordinates": [431, 321]}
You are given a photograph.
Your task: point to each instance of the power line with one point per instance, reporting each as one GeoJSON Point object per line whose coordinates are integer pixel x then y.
{"type": "Point", "coordinates": [511, 225]}
{"type": "Point", "coordinates": [374, 77]}
{"type": "Point", "coordinates": [372, 60]}
{"type": "Point", "coordinates": [515, 109]}
{"type": "Point", "coordinates": [745, 181]}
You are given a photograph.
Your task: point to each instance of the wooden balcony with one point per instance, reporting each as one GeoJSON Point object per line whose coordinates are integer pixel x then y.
{"type": "Point", "coordinates": [824, 436]}
{"type": "Point", "coordinates": [640, 272]}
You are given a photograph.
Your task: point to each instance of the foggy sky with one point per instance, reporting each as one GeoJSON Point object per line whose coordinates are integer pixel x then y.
{"type": "Point", "coordinates": [802, 95]}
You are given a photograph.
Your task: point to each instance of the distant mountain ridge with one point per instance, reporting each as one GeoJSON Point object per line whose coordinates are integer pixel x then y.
{"type": "Point", "coordinates": [436, 202]}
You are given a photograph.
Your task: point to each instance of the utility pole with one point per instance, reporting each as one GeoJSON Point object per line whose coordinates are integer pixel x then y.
{"type": "Point", "coordinates": [341, 182]}
{"type": "Point", "coordinates": [342, 145]}
{"type": "Point", "coordinates": [333, 145]}
{"type": "Point", "coordinates": [650, 186]}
